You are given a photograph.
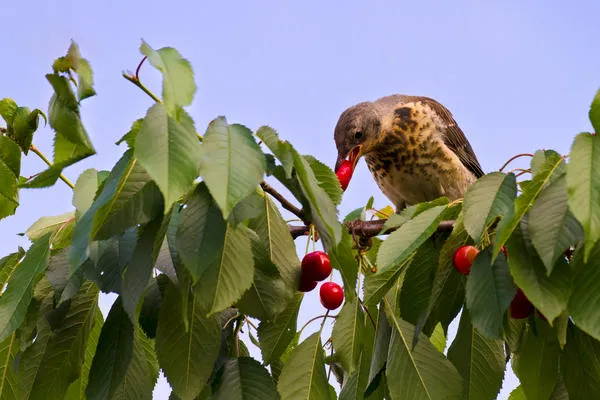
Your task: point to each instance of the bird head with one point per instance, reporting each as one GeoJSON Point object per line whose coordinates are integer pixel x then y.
{"type": "Point", "coordinates": [356, 132]}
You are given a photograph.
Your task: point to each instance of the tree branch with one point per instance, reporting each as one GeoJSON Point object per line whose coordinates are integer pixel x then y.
{"type": "Point", "coordinates": [366, 228]}
{"type": "Point", "coordinates": [284, 202]}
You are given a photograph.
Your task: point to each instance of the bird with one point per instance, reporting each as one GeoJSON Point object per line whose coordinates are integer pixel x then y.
{"type": "Point", "coordinates": [412, 145]}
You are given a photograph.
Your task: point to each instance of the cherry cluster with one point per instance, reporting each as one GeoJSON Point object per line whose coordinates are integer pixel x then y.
{"type": "Point", "coordinates": [520, 306]}
{"type": "Point", "coordinates": [315, 268]}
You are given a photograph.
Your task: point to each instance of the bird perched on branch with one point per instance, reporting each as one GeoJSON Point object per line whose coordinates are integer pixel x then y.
{"type": "Point", "coordinates": [412, 145]}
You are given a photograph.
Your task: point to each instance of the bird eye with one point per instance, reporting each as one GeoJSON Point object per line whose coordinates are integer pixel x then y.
{"type": "Point", "coordinates": [358, 135]}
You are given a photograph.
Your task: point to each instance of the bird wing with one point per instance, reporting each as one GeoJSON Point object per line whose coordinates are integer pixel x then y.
{"type": "Point", "coordinates": [455, 138]}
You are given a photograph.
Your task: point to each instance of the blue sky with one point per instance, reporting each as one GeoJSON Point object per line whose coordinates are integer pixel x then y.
{"type": "Point", "coordinates": [518, 76]}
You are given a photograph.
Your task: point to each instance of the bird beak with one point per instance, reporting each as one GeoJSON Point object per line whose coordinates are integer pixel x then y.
{"type": "Point", "coordinates": [353, 157]}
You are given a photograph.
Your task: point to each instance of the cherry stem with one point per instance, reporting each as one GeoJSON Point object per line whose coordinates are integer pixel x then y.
{"type": "Point", "coordinates": [49, 163]}
{"type": "Point", "coordinates": [325, 316]}
{"type": "Point", "coordinates": [514, 158]}
{"type": "Point", "coordinates": [367, 311]}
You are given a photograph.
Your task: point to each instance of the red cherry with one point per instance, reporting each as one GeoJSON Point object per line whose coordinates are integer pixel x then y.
{"type": "Point", "coordinates": [344, 173]}
{"type": "Point", "coordinates": [332, 295]}
{"type": "Point", "coordinates": [463, 258]}
{"type": "Point", "coordinates": [520, 306]}
{"type": "Point", "coordinates": [306, 285]}
{"type": "Point", "coordinates": [316, 266]}
{"type": "Point", "coordinates": [503, 249]}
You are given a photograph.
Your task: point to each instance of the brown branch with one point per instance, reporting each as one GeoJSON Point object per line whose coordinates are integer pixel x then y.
{"type": "Point", "coordinates": [284, 202]}
{"type": "Point", "coordinates": [366, 228]}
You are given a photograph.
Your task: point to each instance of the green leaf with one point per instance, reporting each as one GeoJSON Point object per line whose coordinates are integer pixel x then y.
{"type": "Point", "coordinates": [549, 294]}
{"type": "Point", "coordinates": [275, 335]}
{"type": "Point", "coordinates": [594, 113]}
{"type": "Point", "coordinates": [378, 284]}
{"type": "Point", "coordinates": [580, 365]}
{"type": "Point", "coordinates": [379, 358]}
{"type": "Point", "coordinates": [342, 257]}
{"type": "Point", "coordinates": [168, 152]}
{"type": "Point", "coordinates": [186, 356]}
{"type": "Point", "coordinates": [327, 179]}
{"type": "Point", "coordinates": [17, 296]}
{"type": "Point", "coordinates": [489, 291]}
{"type": "Point", "coordinates": [423, 373]}
{"type": "Point", "coordinates": [113, 354]}
{"type": "Point", "coordinates": [552, 168]}
{"type": "Point", "coordinates": [438, 338]}
{"type": "Point", "coordinates": [537, 363]}
{"type": "Point", "coordinates": [76, 390]}
{"type": "Point", "coordinates": [280, 148]}
{"type": "Point", "coordinates": [9, 349]}
{"type": "Point", "coordinates": [410, 236]}
{"type": "Point", "coordinates": [61, 358]}
{"type": "Point", "coordinates": [479, 360]}
{"type": "Point", "coordinates": [8, 264]}
{"type": "Point", "coordinates": [552, 227]}
{"type": "Point", "coordinates": [418, 282]}
{"type": "Point", "coordinates": [138, 272]}
{"type": "Point", "coordinates": [492, 196]}
{"type": "Point", "coordinates": [48, 225]}
{"type": "Point", "coordinates": [517, 394]}
{"type": "Point", "coordinates": [303, 375]}
{"type": "Point", "coordinates": [583, 184]}
{"type": "Point", "coordinates": [244, 378]}
{"type": "Point", "coordinates": [131, 135]}
{"type": "Point", "coordinates": [10, 167]}
{"type": "Point", "coordinates": [274, 235]}
{"type": "Point", "coordinates": [85, 190]}
{"type": "Point", "coordinates": [142, 372]}
{"type": "Point", "coordinates": [447, 293]}
{"type": "Point", "coordinates": [585, 296]}
{"type": "Point", "coordinates": [347, 334]}
{"type": "Point", "coordinates": [231, 163]}
{"type": "Point", "coordinates": [83, 69]}
{"type": "Point", "coordinates": [136, 201]}
{"type": "Point", "coordinates": [23, 126]}
{"type": "Point", "coordinates": [178, 78]}
{"type": "Point", "coordinates": [8, 108]}
{"type": "Point", "coordinates": [323, 211]}
{"type": "Point", "coordinates": [267, 297]}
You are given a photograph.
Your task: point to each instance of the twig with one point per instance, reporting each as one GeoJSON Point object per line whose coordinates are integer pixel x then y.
{"type": "Point", "coordinates": [49, 163]}
{"type": "Point", "coordinates": [139, 84]}
{"type": "Point", "coordinates": [366, 228]}
{"type": "Point", "coordinates": [284, 202]}
{"type": "Point", "coordinates": [514, 158]}
{"type": "Point", "coordinates": [137, 70]}
{"type": "Point", "coordinates": [325, 316]}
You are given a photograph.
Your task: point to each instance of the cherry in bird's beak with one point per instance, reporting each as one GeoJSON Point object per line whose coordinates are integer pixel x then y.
{"type": "Point", "coordinates": [354, 155]}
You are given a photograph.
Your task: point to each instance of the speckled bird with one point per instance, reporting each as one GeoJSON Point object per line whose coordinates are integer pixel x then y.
{"type": "Point", "coordinates": [412, 145]}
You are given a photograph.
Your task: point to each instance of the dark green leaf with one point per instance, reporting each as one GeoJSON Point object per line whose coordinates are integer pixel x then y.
{"type": "Point", "coordinates": [231, 164]}
{"type": "Point", "coordinates": [552, 168]}
{"type": "Point", "coordinates": [244, 378]}
{"type": "Point", "coordinates": [583, 184]}
{"type": "Point", "coordinates": [178, 78]}
{"type": "Point", "coordinates": [402, 242]}
{"type": "Point", "coordinates": [168, 152]}
{"type": "Point", "coordinates": [9, 349]}
{"type": "Point", "coordinates": [8, 108]}
{"type": "Point", "coordinates": [275, 335]}
{"type": "Point", "coordinates": [377, 284]}
{"type": "Point", "coordinates": [131, 135]}
{"type": "Point", "coordinates": [479, 360]}
{"type": "Point", "coordinates": [549, 294]}
{"type": "Point", "coordinates": [23, 126]}
{"type": "Point", "coordinates": [492, 196]}
{"type": "Point", "coordinates": [10, 167]}
{"type": "Point", "coordinates": [347, 334]}
{"type": "Point", "coordinates": [580, 365]}
{"type": "Point", "coordinates": [552, 227]}
{"type": "Point", "coordinates": [422, 373]}
{"type": "Point", "coordinates": [303, 375]}
{"type": "Point", "coordinates": [342, 258]}
{"type": "Point", "coordinates": [489, 291]}
{"type": "Point", "coordinates": [326, 178]}
{"type": "Point", "coordinates": [113, 354]}
{"type": "Point", "coordinates": [585, 297]}
{"type": "Point", "coordinates": [186, 356]}
{"type": "Point", "coordinates": [280, 148]}
{"type": "Point", "coordinates": [17, 296]}
{"type": "Point", "coordinates": [594, 113]}
{"type": "Point", "coordinates": [536, 364]}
